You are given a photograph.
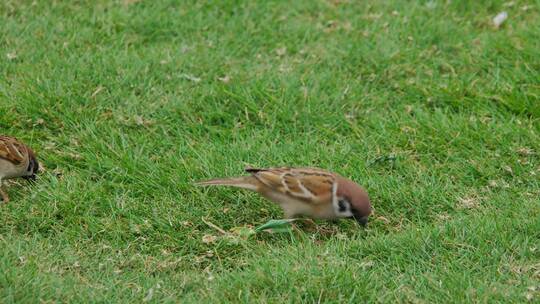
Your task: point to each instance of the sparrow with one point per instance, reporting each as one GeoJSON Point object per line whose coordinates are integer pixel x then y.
{"type": "Point", "coordinates": [310, 192]}
{"type": "Point", "coordinates": [16, 160]}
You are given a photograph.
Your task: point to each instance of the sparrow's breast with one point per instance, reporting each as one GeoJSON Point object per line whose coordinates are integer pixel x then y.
{"type": "Point", "coordinates": [9, 170]}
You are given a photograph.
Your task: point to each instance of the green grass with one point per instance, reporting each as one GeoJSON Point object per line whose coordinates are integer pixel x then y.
{"type": "Point", "coordinates": [424, 103]}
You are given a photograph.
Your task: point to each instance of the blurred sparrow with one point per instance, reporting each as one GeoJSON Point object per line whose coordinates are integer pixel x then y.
{"type": "Point", "coordinates": [16, 160]}
{"type": "Point", "coordinates": [310, 192]}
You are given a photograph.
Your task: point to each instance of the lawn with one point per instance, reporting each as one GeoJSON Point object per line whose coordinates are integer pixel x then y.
{"type": "Point", "coordinates": [426, 104]}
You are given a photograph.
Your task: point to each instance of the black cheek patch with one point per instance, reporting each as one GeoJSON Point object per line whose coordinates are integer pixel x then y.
{"type": "Point", "coordinates": [342, 206]}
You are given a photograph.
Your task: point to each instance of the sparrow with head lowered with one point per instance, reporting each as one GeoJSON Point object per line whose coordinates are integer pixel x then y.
{"type": "Point", "coordinates": [16, 160]}
{"type": "Point", "coordinates": [310, 192]}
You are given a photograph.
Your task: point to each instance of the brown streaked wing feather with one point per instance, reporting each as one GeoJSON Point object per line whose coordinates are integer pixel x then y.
{"type": "Point", "coordinates": [292, 183]}
{"type": "Point", "coordinates": [12, 150]}
{"type": "Point", "coordinates": [318, 182]}
{"type": "Point", "coordinates": [310, 184]}
{"type": "Point", "coordinates": [271, 178]}
{"type": "Point", "coordinates": [319, 185]}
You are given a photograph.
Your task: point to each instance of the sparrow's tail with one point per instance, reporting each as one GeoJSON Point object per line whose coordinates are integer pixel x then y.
{"type": "Point", "coordinates": [245, 182]}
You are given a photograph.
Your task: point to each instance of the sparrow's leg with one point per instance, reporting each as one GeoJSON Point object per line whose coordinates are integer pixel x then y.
{"type": "Point", "coordinates": [309, 224]}
{"type": "Point", "coordinates": [288, 212]}
{"type": "Point", "coordinates": [305, 221]}
{"type": "Point", "coordinates": [5, 197]}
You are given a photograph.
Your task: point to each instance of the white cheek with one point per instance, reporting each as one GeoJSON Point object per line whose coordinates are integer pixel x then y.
{"type": "Point", "coordinates": [335, 204]}
{"type": "Point", "coordinates": [346, 213]}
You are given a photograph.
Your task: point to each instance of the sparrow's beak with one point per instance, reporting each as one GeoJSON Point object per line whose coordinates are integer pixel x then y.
{"type": "Point", "coordinates": [362, 220]}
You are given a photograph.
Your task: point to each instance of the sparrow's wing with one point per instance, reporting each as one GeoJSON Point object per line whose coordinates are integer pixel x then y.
{"type": "Point", "coordinates": [311, 185]}
{"type": "Point", "coordinates": [12, 150]}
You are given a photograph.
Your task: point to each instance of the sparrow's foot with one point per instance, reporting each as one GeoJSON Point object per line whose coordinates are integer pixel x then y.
{"type": "Point", "coordinates": [310, 224]}
{"type": "Point", "coordinates": [305, 224]}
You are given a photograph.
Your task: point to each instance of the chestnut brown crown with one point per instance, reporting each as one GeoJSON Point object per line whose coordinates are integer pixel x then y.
{"type": "Point", "coordinates": [356, 197]}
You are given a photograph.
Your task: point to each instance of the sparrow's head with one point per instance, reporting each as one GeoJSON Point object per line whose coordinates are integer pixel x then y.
{"type": "Point", "coordinates": [33, 166]}
{"type": "Point", "coordinates": [352, 201]}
